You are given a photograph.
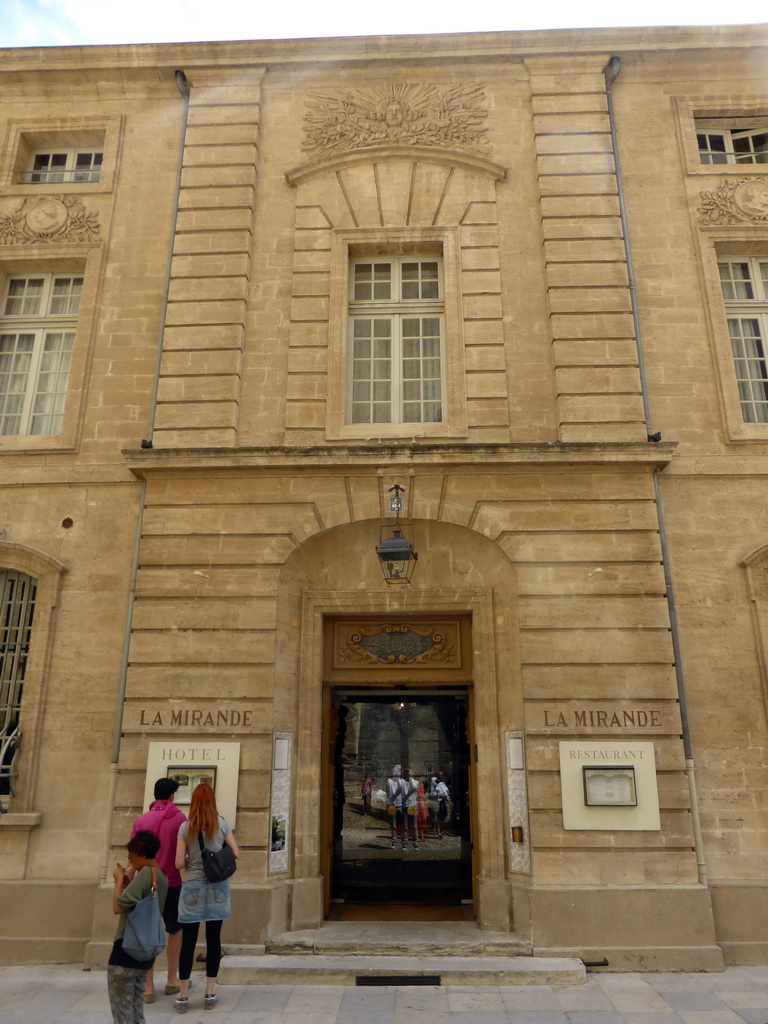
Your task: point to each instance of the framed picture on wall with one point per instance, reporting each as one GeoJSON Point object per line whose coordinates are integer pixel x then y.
{"type": "Point", "coordinates": [610, 787]}
{"type": "Point", "coordinates": [189, 776]}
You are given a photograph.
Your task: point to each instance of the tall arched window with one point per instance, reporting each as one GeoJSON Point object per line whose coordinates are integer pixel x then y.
{"type": "Point", "coordinates": [17, 610]}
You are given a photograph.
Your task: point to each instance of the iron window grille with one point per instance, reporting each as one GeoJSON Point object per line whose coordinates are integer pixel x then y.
{"type": "Point", "coordinates": [17, 611]}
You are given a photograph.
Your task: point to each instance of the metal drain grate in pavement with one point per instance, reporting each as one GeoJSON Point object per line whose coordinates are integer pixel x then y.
{"type": "Point", "coordinates": [397, 979]}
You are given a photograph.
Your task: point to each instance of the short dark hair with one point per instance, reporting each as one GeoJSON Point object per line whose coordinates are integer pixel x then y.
{"type": "Point", "coordinates": [145, 843]}
{"type": "Point", "coordinates": [165, 788]}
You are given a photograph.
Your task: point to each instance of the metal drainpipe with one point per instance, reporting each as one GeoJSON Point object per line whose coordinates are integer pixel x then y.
{"type": "Point", "coordinates": [183, 87]}
{"type": "Point", "coordinates": [611, 72]}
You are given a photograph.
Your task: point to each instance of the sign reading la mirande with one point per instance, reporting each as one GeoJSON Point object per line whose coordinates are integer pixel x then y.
{"type": "Point", "coordinates": [186, 718]}
{"type": "Point", "coordinates": [572, 719]}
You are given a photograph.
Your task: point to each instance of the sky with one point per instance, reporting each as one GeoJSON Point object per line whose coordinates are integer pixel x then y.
{"type": "Point", "coordinates": [93, 22]}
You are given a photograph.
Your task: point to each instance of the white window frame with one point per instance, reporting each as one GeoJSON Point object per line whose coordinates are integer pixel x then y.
{"type": "Point", "coordinates": [391, 315]}
{"type": "Point", "coordinates": [730, 136]}
{"type": "Point", "coordinates": [349, 244]}
{"type": "Point", "coordinates": [66, 168]}
{"type": "Point", "coordinates": [37, 341]}
{"type": "Point", "coordinates": [29, 137]}
{"type": "Point", "coordinates": [744, 287]}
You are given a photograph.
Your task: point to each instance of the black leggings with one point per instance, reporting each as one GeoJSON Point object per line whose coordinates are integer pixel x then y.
{"type": "Point", "coordinates": [212, 949]}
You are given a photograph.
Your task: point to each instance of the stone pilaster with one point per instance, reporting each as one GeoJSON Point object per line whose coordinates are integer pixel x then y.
{"type": "Point", "coordinates": [201, 365]}
{"type": "Point", "coordinates": [593, 338]}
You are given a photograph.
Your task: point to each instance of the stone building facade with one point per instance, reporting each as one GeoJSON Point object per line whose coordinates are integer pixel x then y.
{"type": "Point", "coordinates": [247, 289]}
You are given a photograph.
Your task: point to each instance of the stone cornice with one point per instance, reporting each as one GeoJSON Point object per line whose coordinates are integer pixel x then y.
{"type": "Point", "coordinates": [470, 456]}
{"type": "Point", "coordinates": [357, 49]}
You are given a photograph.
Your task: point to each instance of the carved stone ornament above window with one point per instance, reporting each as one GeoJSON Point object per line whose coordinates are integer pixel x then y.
{"type": "Point", "coordinates": [738, 201]}
{"type": "Point", "coordinates": [398, 644]}
{"type": "Point", "coordinates": [407, 114]}
{"type": "Point", "coordinates": [49, 219]}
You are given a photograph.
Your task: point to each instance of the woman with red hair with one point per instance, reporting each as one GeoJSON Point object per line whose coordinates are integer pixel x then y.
{"type": "Point", "coordinates": [200, 899]}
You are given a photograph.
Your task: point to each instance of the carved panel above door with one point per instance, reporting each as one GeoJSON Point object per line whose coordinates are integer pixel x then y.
{"type": "Point", "coordinates": [408, 644]}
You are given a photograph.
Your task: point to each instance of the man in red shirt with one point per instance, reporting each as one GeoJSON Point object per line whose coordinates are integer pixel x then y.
{"type": "Point", "coordinates": [164, 818]}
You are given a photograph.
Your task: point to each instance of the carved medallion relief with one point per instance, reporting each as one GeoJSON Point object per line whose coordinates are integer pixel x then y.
{"type": "Point", "coordinates": [405, 114]}
{"type": "Point", "coordinates": [736, 201]}
{"type": "Point", "coordinates": [49, 219]}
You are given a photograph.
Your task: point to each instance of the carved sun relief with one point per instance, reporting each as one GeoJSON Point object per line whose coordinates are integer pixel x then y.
{"type": "Point", "coordinates": [406, 114]}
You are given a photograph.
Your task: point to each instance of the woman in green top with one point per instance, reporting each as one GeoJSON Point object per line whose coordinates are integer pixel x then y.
{"type": "Point", "coordinates": [126, 976]}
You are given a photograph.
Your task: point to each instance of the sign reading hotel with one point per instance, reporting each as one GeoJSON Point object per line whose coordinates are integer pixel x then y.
{"type": "Point", "coordinates": [183, 717]}
{"type": "Point", "coordinates": [192, 763]}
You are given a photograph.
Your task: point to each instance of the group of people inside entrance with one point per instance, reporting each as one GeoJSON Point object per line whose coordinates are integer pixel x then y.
{"type": "Point", "coordinates": [409, 800]}
{"type": "Point", "coordinates": [162, 844]}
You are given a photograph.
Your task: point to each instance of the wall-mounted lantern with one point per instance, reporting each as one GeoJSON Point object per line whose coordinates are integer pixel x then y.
{"type": "Point", "coordinates": [396, 555]}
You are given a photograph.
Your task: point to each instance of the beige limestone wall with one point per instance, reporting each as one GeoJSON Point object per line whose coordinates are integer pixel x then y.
{"type": "Point", "coordinates": [69, 705]}
{"type": "Point", "coordinates": [214, 543]}
{"type": "Point", "coordinates": [712, 491]}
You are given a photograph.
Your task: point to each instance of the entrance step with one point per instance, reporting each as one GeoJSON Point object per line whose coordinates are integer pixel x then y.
{"type": "Point", "coordinates": [398, 938]}
{"type": "Point", "coordinates": [364, 969]}
{"type": "Point", "coordinates": [398, 953]}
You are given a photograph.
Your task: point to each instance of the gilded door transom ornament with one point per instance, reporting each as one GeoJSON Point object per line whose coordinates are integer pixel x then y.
{"type": "Point", "coordinates": [402, 643]}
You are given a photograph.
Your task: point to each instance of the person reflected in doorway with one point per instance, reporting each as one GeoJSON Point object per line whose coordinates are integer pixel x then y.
{"type": "Point", "coordinates": [421, 809]}
{"type": "Point", "coordinates": [410, 793]}
{"type": "Point", "coordinates": [365, 793]}
{"type": "Point", "coordinates": [444, 803]}
{"type": "Point", "coordinates": [396, 795]}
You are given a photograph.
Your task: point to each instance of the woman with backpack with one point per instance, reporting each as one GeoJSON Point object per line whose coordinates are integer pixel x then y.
{"type": "Point", "coordinates": [201, 900]}
{"type": "Point", "coordinates": [125, 974]}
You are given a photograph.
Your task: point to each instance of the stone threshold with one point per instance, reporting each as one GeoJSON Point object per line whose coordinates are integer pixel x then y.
{"type": "Point", "coordinates": [397, 938]}
{"type": "Point", "coordinates": [366, 969]}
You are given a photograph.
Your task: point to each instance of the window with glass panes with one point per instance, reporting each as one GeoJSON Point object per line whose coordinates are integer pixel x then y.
{"type": "Point", "coordinates": [64, 166]}
{"type": "Point", "coordinates": [744, 283]}
{"type": "Point", "coordinates": [396, 340]}
{"type": "Point", "coordinates": [37, 334]}
{"type": "Point", "coordinates": [732, 146]}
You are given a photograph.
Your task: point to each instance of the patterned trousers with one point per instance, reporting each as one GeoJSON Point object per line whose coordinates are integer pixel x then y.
{"type": "Point", "coordinates": [125, 986]}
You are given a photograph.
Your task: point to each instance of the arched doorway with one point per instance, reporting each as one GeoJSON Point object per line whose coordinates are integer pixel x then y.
{"type": "Point", "coordinates": [333, 578]}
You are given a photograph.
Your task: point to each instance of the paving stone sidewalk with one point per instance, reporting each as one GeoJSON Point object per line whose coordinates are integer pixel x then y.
{"type": "Point", "coordinates": [69, 995]}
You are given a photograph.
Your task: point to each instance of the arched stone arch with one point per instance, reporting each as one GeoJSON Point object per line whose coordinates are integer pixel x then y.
{"type": "Point", "coordinates": [415, 155]}
{"type": "Point", "coordinates": [336, 573]}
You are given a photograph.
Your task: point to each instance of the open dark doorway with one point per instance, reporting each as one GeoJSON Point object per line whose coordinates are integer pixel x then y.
{"type": "Point", "coordinates": [401, 792]}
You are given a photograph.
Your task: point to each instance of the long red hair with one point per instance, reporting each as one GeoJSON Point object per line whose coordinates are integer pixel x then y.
{"type": "Point", "coordinates": [203, 816]}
